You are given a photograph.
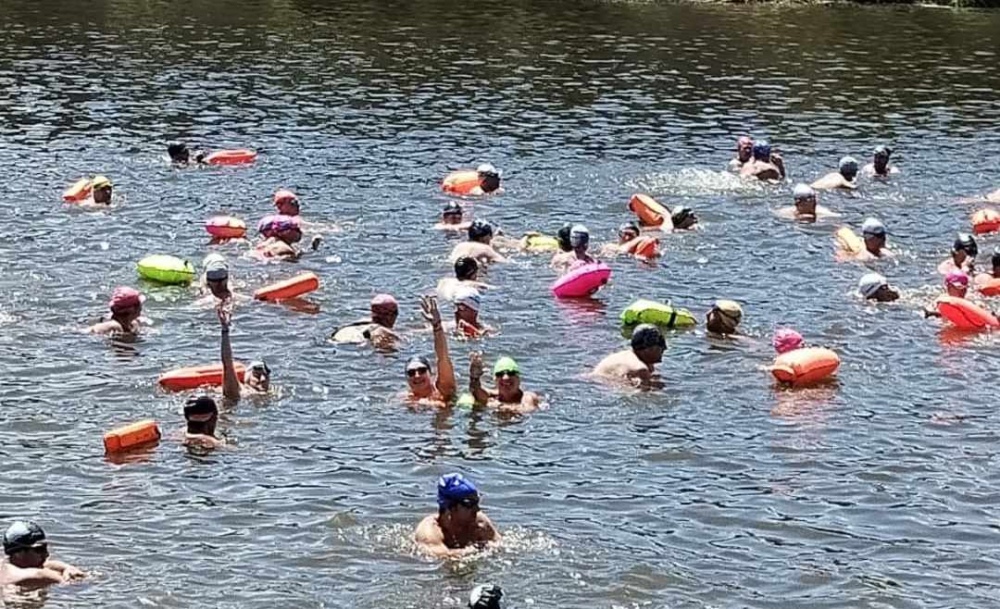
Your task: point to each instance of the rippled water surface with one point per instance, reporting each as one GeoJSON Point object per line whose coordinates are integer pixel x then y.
{"type": "Point", "coordinates": [719, 491]}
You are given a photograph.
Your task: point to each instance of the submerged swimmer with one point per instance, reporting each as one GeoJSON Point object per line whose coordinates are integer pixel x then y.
{"type": "Point", "coordinates": [459, 528]}
{"type": "Point", "coordinates": [256, 380]}
{"type": "Point", "coordinates": [422, 388]}
{"type": "Point", "coordinates": [879, 167]}
{"type": "Point", "coordinates": [452, 218]}
{"type": "Point", "coordinates": [508, 395]}
{"type": "Point", "coordinates": [201, 415]}
{"type": "Point", "coordinates": [27, 563]}
{"type": "Point", "coordinates": [874, 286]}
{"type": "Point", "coordinates": [764, 165]}
{"type": "Point", "coordinates": [724, 318]}
{"type": "Point", "coordinates": [963, 256]}
{"type": "Point", "coordinates": [579, 240]}
{"type": "Point", "coordinates": [478, 246]}
{"type": "Point", "coordinates": [807, 207]}
{"type": "Point", "coordinates": [843, 178]}
{"type": "Point", "coordinates": [744, 152]}
{"type": "Point", "coordinates": [126, 309]}
{"type": "Point", "coordinates": [637, 363]}
{"type": "Point", "coordinates": [378, 328]}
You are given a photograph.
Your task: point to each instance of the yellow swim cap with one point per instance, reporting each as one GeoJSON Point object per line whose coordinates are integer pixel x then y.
{"type": "Point", "coordinates": [100, 182]}
{"type": "Point", "coordinates": [730, 308]}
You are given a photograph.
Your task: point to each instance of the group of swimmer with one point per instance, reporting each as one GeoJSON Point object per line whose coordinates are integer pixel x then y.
{"type": "Point", "coordinates": [460, 526]}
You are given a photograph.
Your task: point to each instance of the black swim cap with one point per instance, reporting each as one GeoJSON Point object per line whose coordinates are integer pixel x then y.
{"type": "Point", "coordinates": [452, 209]}
{"type": "Point", "coordinates": [681, 214]}
{"type": "Point", "coordinates": [200, 406]}
{"type": "Point", "coordinates": [486, 596]}
{"type": "Point", "coordinates": [479, 229]}
{"type": "Point", "coordinates": [996, 256]}
{"type": "Point", "coordinates": [628, 227]}
{"type": "Point", "coordinates": [466, 268]}
{"type": "Point", "coordinates": [177, 149]}
{"type": "Point", "coordinates": [647, 335]}
{"type": "Point", "coordinates": [965, 243]}
{"type": "Point", "coordinates": [22, 535]}
{"type": "Point", "coordinates": [563, 237]}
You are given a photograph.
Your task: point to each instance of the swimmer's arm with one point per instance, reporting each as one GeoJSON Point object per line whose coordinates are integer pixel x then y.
{"type": "Point", "coordinates": [779, 163]}
{"type": "Point", "coordinates": [231, 389]}
{"type": "Point", "coordinates": [479, 393]}
{"type": "Point", "coordinates": [445, 382]}
{"type": "Point", "coordinates": [492, 534]}
{"type": "Point", "coordinates": [495, 256]}
{"type": "Point", "coordinates": [431, 542]}
{"type": "Point", "coordinates": [40, 577]}
{"type": "Point", "coordinates": [66, 570]}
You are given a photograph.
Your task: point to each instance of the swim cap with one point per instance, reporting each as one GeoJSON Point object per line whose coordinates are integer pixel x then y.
{"type": "Point", "coordinates": [730, 308]}
{"type": "Point", "coordinates": [680, 215]}
{"type": "Point", "coordinates": [785, 340]}
{"type": "Point", "coordinates": [479, 229]}
{"type": "Point", "coordinates": [124, 298]}
{"type": "Point", "coordinates": [579, 235]}
{"type": "Point", "coordinates": [957, 278]}
{"type": "Point", "coordinates": [468, 296]}
{"type": "Point", "coordinates": [563, 236]}
{"type": "Point", "coordinates": [628, 227]}
{"type": "Point", "coordinates": [873, 227]}
{"type": "Point", "coordinates": [417, 361]}
{"type": "Point", "coordinates": [647, 335]}
{"type": "Point", "coordinates": [995, 259]}
{"type": "Point", "coordinates": [216, 267]}
{"type": "Point", "coordinates": [201, 407]}
{"type": "Point", "coordinates": [870, 283]}
{"type": "Point", "coordinates": [485, 596]}
{"type": "Point", "coordinates": [762, 150]}
{"type": "Point", "coordinates": [883, 151]}
{"type": "Point", "coordinates": [848, 164]}
{"type": "Point", "coordinates": [285, 196]}
{"type": "Point", "coordinates": [384, 300]}
{"type": "Point", "coordinates": [506, 364]}
{"type": "Point", "coordinates": [488, 169]}
{"type": "Point", "coordinates": [744, 141]}
{"type": "Point", "coordinates": [965, 243]}
{"type": "Point", "coordinates": [100, 182]}
{"type": "Point", "coordinates": [452, 208]}
{"type": "Point", "coordinates": [466, 267]}
{"type": "Point", "coordinates": [452, 488]}
{"type": "Point", "coordinates": [276, 223]}
{"type": "Point", "coordinates": [22, 535]}
{"type": "Point", "coordinates": [803, 191]}
{"type": "Point", "coordinates": [259, 365]}
{"type": "Point", "coordinates": [177, 149]}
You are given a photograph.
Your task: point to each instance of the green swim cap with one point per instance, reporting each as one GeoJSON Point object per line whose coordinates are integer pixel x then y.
{"type": "Point", "coordinates": [506, 364]}
{"type": "Point", "coordinates": [466, 401]}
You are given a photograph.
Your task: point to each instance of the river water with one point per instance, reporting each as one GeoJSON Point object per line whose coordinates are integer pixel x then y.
{"type": "Point", "coordinates": [718, 491]}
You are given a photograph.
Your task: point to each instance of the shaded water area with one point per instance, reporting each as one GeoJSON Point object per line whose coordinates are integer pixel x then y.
{"type": "Point", "coordinates": [718, 491]}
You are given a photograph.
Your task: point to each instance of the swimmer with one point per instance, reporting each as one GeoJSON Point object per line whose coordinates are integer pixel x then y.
{"type": "Point", "coordinates": [467, 304]}
{"type": "Point", "coordinates": [764, 165]}
{"type": "Point", "coordinates": [180, 155]}
{"type": "Point", "coordinates": [807, 207]}
{"type": "Point", "coordinates": [724, 318]}
{"type": "Point", "coordinates": [216, 278]}
{"type": "Point", "coordinates": [628, 233]}
{"type": "Point", "coordinates": [101, 191]}
{"type": "Point", "coordinates": [508, 395]}
{"type": "Point", "coordinates": [459, 528]}
{"type": "Point", "coordinates": [956, 285]}
{"type": "Point", "coordinates": [843, 178]}
{"type": "Point", "coordinates": [478, 246]}
{"type": "Point", "coordinates": [126, 309]}
{"type": "Point", "coordinates": [963, 256]}
{"type": "Point", "coordinates": [744, 152]}
{"type": "Point", "coordinates": [636, 364]}
{"type": "Point", "coordinates": [377, 329]}
{"type": "Point", "coordinates": [563, 237]}
{"type": "Point", "coordinates": [874, 286]}
{"type": "Point", "coordinates": [286, 202]}
{"type": "Point", "coordinates": [983, 278]}
{"type": "Point", "coordinates": [421, 389]}
{"type": "Point", "coordinates": [489, 180]}
{"type": "Point", "coordinates": [256, 381]}
{"type": "Point", "coordinates": [785, 340]}
{"type": "Point", "coordinates": [683, 218]}
{"type": "Point", "coordinates": [874, 233]}
{"type": "Point", "coordinates": [579, 240]}
{"type": "Point", "coordinates": [486, 596]}
{"type": "Point", "coordinates": [28, 564]}
{"type": "Point", "coordinates": [201, 415]}
{"type": "Point", "coordinates": [466, 274]}
{"type": "Point", "coordinates": [281, 233]}
{"type": "Point", "coordinates": [452, 218]}
{"type": "Point", "coordinates": [879, 167]}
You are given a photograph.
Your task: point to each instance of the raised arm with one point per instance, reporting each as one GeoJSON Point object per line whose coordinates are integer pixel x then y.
{"type": "Point", "coordinates": [231, 388]}
{"type": "Point", "coordinates": [446, 385]}
{"type": "Point", "coordinates": [475, 379]}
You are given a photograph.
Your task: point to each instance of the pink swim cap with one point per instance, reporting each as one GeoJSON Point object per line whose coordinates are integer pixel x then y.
{"type": "Point", "coordinates": [124, 298]}
{"type": "Point", "coordinates": [284, 196]}
{"type": "Point", "coordinates": [384, 300]}
{"type": "Point", "coordinates": [786, 339]}
{"type": "Point", "coordinates": [957, 278]}
{"type": "Point", "coordinates": [276, 223]}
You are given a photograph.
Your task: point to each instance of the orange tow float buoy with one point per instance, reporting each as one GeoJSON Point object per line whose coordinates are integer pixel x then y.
{"type": "Point", "coordinates": [649, 211]}
{"type": "Point", "coordinates": [985, 221]}
{"type": "Point", "coordinates": [123, 439]}
{"type": "Point", "coordinates": [226, 227]}
{"type": "Point", "coordinates": [461, 182]}
{"type": "Point", "coordinates": [965, 315]}
{"type": "Point", "coordinates": [79, 191]}
{"type": "Point", "coordinates": [240, 156]}
{"type": "Point", "coordinates": [644, 247]}
{"type": "Point", "coordinates": [290, 288]}
{"type": "Point", "coordinates": [805, 366]}
{"type": "Point", "coordinates": [183, 379]}
{"type": "Point", "coordinates": [990, 287]}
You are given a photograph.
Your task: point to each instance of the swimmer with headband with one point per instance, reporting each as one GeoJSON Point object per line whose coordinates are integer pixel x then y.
{"type": "Point", "coordinates": [637, 364]}
{"type": "Point", "coordinates": [459, 527]}
{"type": "Point", "coordinates": [28, 564]}
{"type": "Point", "coordinates": [508, 395]}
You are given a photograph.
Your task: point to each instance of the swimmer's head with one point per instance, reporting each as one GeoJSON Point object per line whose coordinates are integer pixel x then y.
{"type": "Point", "coordinates": [457, 496]}
{"type": "Point", "coordinates": [489, 177]}
{"type": "Point", "coordinates": [963, 246]}
{"type": "Point", "coordinates": [201, 414]}
{"type": "Point", "coordinates": [648, 343]}
{"type": "Point", "coordinates": [258, 376]}
{"type": "Point", "coordinates": [418, 374]}
{"type": "Point", "coordinates": [956, 283]}
{"type": "Point", "coordinates": [384, 310]}
{"type": "Point", "coordinates": [179, 153]}
{"type": "Point", "coordinates": [101, 189]}
{"type": "Point", "coordinates": [452, 213]}
{"type": "Point", "coordinates": [724, 317]}
{"type": "Point", "coordinates": [217, 274]}
{"type": "Point", "coordinates": [562, 236]}
{"type": "Point", "coordinates": [480, 231]}
{"type": "Point", "coordinates": [286, 202]}
{"type": "Point", "coordinates": [627, 232]}
{"type": "Point", "coordinates": [467, 303]}
{"type": "Point", "coordinates": [507, 375]}
{"type": "Point", "coordinates": [874, 233]}
{"type": "Point", "coordinates": [25, 544]}
{"type": "Point", "coordinates": [284, 228]}
{"type": "Point", "coordinates": [126, 303]}
{"type": "Point", "coordinates": [882, 153]}
{"type": "Point", "coordinates": [579, 237]}
{"type": "Point", "coordinates": [874, 286]}
{"type": "Point", "coordinates": [995, 259]}
{"type": "Point", "coordinates": [466, 269]}
{"type": "Point", "coordinates": [683, 217]}
{"type": "Point", "coordinates": [485, 596]}
{"type": "Point", "coordinates": [848, 167]}
{"type": "Point", "coordinates": [805, 199]}
{"type": "Point", "coordinates": [785, 340]}
{"type": "Point", "coordinates": [762, 150]}
{"type": "Point", "coordinates": [744, 148]}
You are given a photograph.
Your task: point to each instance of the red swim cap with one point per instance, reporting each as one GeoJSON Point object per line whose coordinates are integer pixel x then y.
{"type": "Point", "coordinates": [285, 196]}
{"type": "Point", "coordinates": [786, 339]}
{"type": "Point", "coordinates": [124, 298]}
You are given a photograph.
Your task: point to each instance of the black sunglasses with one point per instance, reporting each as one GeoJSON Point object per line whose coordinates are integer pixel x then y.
{"type": "Point", "coordinates": [504, 373]}
{"type": "Point", "coordinates": [412, 372]}
{"type": "Point", "coordinates": [470, 503]}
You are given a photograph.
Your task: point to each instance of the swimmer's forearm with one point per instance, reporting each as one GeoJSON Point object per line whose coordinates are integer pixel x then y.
{"type": "Point", "coordinates": [478, 393]}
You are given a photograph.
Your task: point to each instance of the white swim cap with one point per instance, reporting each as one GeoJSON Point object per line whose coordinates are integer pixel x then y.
{"type": "Point", "coordinates": [873, 227]}
{"type": "Point", "coordinates": [468, 296]}
{"type": "Point", "coordinates": [488, 169]}
{"type": "Point", "coordinates": [870, 283]}
{"type": "Point", "coordinates": [216, 267]}
{"type": "Point", "coordinates": [803, 191]}
{"type": "Point", "coordinates": [849, 163]}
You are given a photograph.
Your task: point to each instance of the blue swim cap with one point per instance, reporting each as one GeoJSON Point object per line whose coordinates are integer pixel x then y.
{"type": "Point", "coordinates": [452, 488]}
{"type": "Point", "coordinates": [762, 150]}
